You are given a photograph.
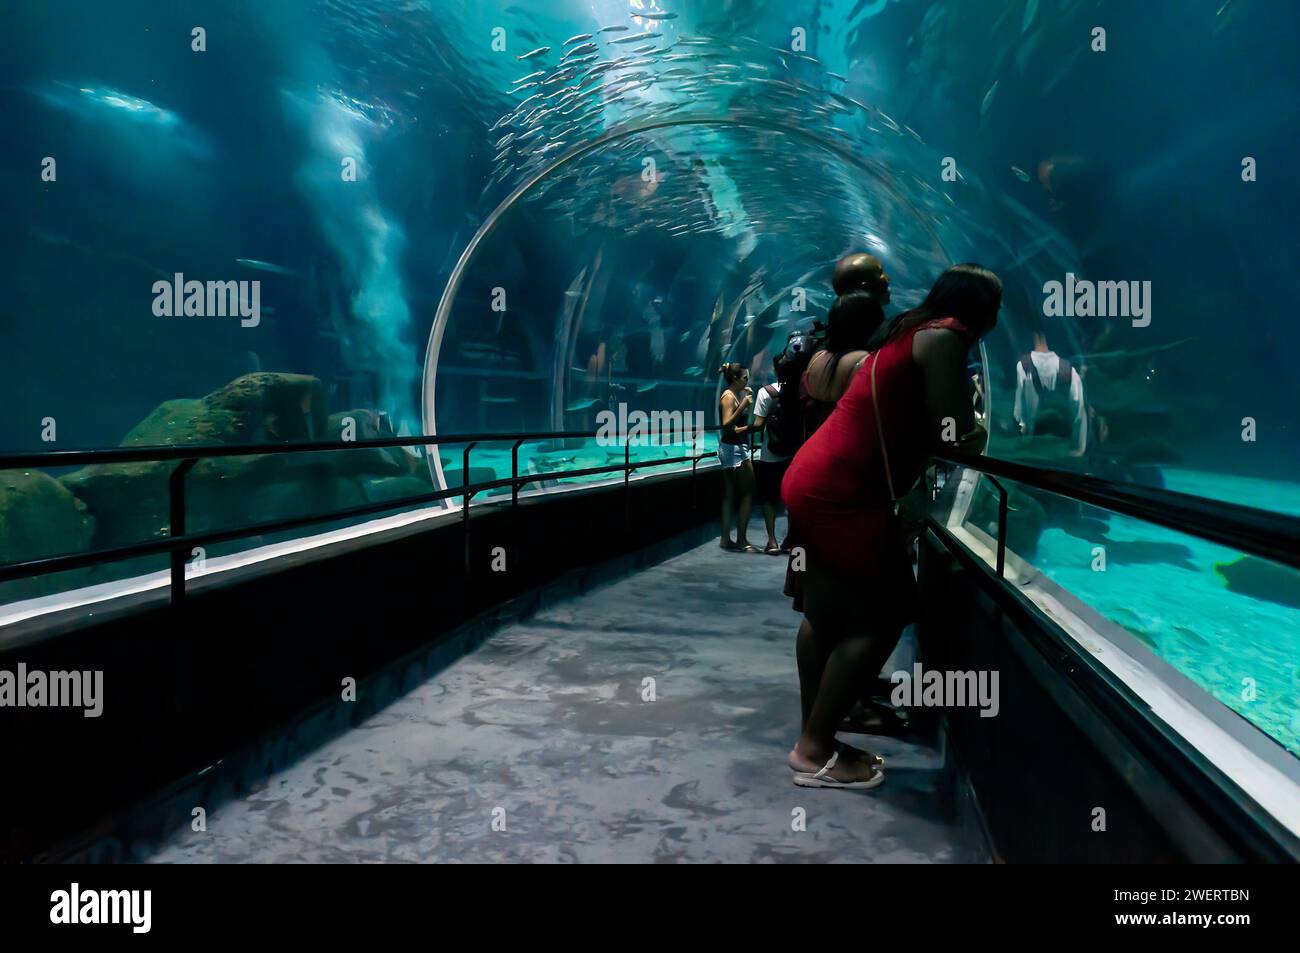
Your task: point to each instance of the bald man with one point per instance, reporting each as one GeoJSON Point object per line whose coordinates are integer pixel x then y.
{"type": "Point", "coordinates": [860, 271]}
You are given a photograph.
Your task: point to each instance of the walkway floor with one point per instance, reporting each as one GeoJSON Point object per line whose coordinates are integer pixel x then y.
{"type": "Point", "coordinates": [545, 728]}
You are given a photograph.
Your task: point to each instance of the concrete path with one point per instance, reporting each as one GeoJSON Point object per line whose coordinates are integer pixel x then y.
{"type": "Point", "coordinates": [544, 730]}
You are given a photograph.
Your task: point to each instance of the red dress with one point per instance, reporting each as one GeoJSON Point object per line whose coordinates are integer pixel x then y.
{"type": "Point", "coordinates": [836, 491]}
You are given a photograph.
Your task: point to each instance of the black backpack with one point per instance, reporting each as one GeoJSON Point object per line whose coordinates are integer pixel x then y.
{"type": "Point", "coordinates": [784, 421]}
{"type": "Point", "coordinates": [1054, 415]}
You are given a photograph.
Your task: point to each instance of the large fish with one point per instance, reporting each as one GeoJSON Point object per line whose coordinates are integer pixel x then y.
{"type": "Point", "coordinates": [144, 127]}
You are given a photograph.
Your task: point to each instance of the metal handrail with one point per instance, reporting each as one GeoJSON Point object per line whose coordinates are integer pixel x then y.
{"type": "Point", "coordinates": [1246, 529]}
{"type": "Point", "coordinates": [178, 542]}
{"type": "Point", "coordinates": [1273, 536]}
{"type": "Point", "coordinates": [73, 458]}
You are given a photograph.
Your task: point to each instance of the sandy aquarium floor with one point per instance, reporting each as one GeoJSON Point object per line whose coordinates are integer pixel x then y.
{"type": "Point", "coordinates": [1162, 586]}
{"type": "Point", "coordinates": [545, 727]}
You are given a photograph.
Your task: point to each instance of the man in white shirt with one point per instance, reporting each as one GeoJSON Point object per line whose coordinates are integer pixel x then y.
{"type": "Point", "coordinates": [770, 465]}
{"type": "Point", "coordinates": [1049, 397]}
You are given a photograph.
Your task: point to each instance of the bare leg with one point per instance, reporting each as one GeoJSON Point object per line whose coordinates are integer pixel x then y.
{"type": "Point", "coordinates": [846, 665]}
{"type": "Point", "coordinates": [847, 649]}
{"type": "Point", "coordinates": [769, 519]}
{"type": "Point", "coordinates": [745, 489]}
{"type": "Point", "coordinates": [811, 655]}
{"type": "Point", "coordinates": [840, 683]}
{"type": "Point", "coordinates": [880, 652]}
{"type": "Point", "coordinates": [728, 503]}
{"type": "Point", "coordinates": [881, 649]}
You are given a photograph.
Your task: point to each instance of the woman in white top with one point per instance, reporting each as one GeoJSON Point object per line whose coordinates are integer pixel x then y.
{"type": "Point", "coordinates": [771, 463]}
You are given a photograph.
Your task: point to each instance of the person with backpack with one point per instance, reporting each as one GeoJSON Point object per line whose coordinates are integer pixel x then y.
{"type": "Point", "coordinates": [777, 416]}
{"type": "Point", "coordinates": [1049, 397]}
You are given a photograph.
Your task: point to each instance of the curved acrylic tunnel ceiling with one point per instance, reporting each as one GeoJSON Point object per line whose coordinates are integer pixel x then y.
{"type": "Point", "coordinates": [727, 184]}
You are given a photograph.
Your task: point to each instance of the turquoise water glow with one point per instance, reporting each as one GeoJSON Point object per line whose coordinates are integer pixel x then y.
{"type": "Point", "coordinates": [668, 183]}
{"type": "Point", "coordinates": [1184, 611]}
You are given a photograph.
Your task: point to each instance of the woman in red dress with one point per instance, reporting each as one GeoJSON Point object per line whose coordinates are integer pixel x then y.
{"type": "Point", "coordinates": [905, 400]}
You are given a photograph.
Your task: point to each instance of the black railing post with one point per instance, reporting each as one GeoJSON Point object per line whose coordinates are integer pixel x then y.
{"type": "Point", "coordinates": [514, 502]}
{"type": "Point", "coordinates": [514, 476]}
{"type": "Point", "coordinates": [176, 526]}
{"type": "Point", "coordinates": [1002, 526]}
{"type": "Point", "coordinates": [627, 485]}
{"type": "Point", "coordinates": [465, 498]}
{"type": "Point", "coordinates": [695, 463]}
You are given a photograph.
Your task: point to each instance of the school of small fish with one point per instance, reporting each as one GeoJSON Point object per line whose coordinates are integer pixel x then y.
{"type": "Point", "coordinates": [696, 91]}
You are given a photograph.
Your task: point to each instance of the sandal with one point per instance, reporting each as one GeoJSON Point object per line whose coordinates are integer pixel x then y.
{"type": "Point", "coordinates": [743, 548]}
{"type": "Point", "coordinates": [849, 751]}
{"type": "Point", "coordinates": [823, 779]}
{"type": "Point", "coordinates": [872, 758]}
{"type": "Point", "coordinates": [772, 549]}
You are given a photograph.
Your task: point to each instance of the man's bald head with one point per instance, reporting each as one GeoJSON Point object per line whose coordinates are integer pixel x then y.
{"type": "Point", "coordinates": [861, 272]}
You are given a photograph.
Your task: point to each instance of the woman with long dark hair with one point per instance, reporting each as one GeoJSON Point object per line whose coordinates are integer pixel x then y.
{"type": "Point", "coordinates": [850, 323]}
{"type": "Point", "coordinates": [862, 290]}
{"type": "Point", "coordinates": [902, 400]}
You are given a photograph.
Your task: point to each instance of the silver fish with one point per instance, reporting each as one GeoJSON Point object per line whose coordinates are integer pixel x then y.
{"type": "Point", "coordinates": [988, 97]}
{"type": "Point", "coordinates": [257, 265]}
{"type": "Point", "coordinates": [1031, 8]}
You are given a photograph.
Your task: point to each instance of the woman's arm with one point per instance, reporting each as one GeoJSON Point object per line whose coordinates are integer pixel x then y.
{"type": "Point", "coordinates": [941, 353]}
{"type": "Point", "coordinates": [829, 388]}
{"type": "Point", "coordinates": [732, 409]}
{"type": "Point", "coordinates": [815, 373]}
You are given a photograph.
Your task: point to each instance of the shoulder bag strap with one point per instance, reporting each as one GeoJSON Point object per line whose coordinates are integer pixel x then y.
{"type": "Point", "coordinates": [880, 431]}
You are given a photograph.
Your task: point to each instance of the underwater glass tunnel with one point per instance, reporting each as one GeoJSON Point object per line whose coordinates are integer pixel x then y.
{"type": "Point", "coordinates": [314, 220]}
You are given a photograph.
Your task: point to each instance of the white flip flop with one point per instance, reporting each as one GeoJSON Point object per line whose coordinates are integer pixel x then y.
{"type": "Point", "coordinates": [823, 779]}
{"type": "Point", "coordinates": [877, 760]}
